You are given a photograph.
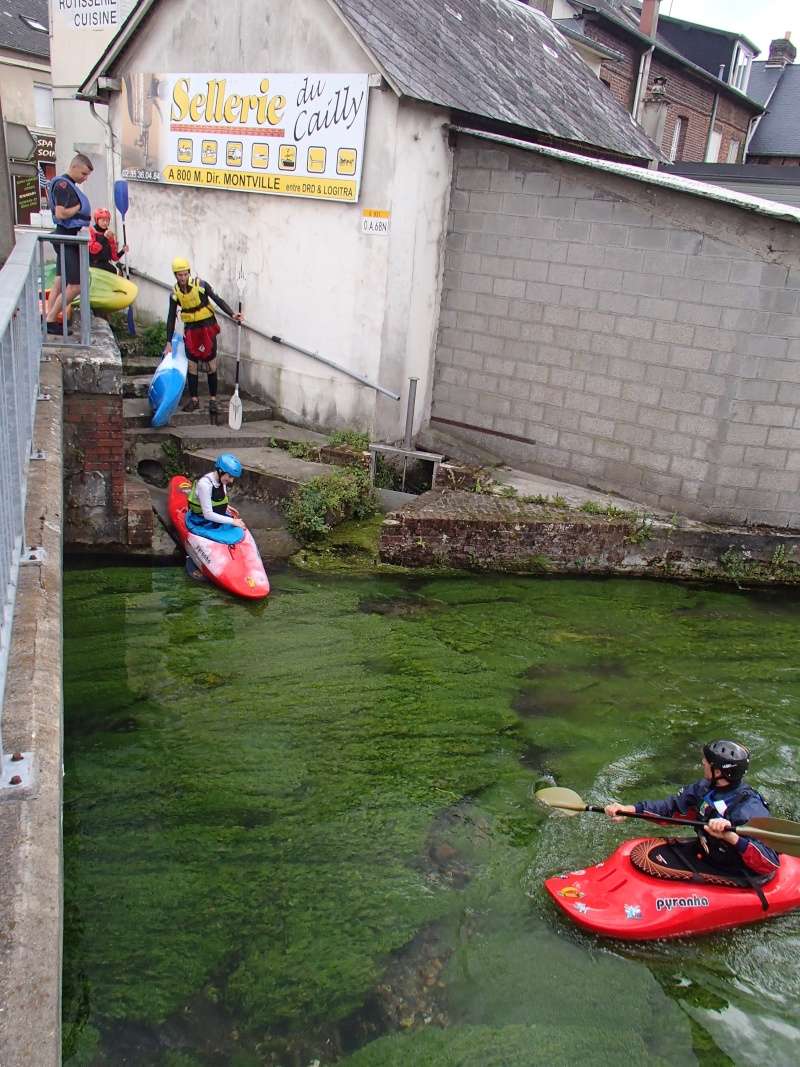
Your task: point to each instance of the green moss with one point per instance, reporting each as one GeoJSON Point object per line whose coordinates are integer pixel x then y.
{"type": "Point", "coordinates": [354, 439]}
{"type": "Point", "coordinates": [562, 1045]}
{"type": "Point", "coordinates": [267, 806]}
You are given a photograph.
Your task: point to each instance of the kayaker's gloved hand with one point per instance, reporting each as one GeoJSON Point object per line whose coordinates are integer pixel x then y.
{"type": "Point", "coordinates": [612, 809]}
{"type": "Point", "coordinates": [722, 829]}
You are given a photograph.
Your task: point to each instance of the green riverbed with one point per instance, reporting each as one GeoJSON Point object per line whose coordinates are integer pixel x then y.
{"type": "Point", "coordinates": [303, 830]}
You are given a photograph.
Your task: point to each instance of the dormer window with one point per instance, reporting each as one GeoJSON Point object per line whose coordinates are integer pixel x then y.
{"type": "Point", "coordinates": [740, 67]}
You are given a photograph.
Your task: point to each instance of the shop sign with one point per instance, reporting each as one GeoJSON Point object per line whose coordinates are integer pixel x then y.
{"type": "Point", "coordinates": [89, 14]}
{"type": "Point", "coordinates": [45, 148]}
{"type": "Point", "coordinates": [26, 197]}
{"type": "Point", "coordinates": [281, 134]}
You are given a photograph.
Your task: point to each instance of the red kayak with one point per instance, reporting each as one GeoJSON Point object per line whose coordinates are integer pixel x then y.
{"type": "Point", "coordinates": [234, 567]}
{"type": "Point", "coordinates": [617, 899]}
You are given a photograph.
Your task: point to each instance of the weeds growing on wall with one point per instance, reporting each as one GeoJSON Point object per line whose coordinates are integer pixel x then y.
{"type": "Point", "coordinates": [154, 339]}
{"type": "Point", "coordinates": [314, 508]}
{"type": "Point", "coordinates": [354, 439]}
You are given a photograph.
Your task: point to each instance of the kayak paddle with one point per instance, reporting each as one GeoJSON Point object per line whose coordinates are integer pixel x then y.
{"type": "Point", "coordinates": [235, 405]}
{"type": "Point", "coordinates": [780, 834]}
{"type": "Point", "coordinates": [121, 204]}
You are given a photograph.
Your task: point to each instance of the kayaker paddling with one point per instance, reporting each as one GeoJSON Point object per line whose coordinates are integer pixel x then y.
{"type": "Point", "coordinates": [721, 800]}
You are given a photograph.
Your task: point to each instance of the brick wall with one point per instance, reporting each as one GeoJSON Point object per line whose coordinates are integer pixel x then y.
{"type": "Point", "coordinates": [94, 443]}
{"type": "Point", "coordinates": [688, 96]}
{"type": "Point", "coordinates": [621, 76]}
{"type": "Point", "coordinates": [621, 335]}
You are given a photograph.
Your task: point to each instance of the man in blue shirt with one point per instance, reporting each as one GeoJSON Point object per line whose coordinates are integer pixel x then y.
{"type": "Point", "coordinates": [71, 212]}
{"type": "Point", "coordinates": [722, 801]}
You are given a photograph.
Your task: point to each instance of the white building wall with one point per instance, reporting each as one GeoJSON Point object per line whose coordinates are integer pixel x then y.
{"type": "Point", "coordinates": [367, 302]}
{"type": "Point", "coordinates": [74, 50]}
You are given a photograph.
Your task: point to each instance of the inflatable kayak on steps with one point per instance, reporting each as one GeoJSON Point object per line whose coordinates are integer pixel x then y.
{"type": "Point", "coordinates": [227, 555]}
{"type": "Point", "coordinates": [616, 898]}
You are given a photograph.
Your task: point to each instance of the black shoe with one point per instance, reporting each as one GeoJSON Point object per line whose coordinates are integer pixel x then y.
{"type": "Point", "coordinates": [192, 404]}
{"type": "Point", "coordinates": [56, 328]}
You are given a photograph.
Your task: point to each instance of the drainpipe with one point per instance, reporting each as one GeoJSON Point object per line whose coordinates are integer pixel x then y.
{"type": "Point", "coordinates": [648, 25]}
{"type": "Point", "coordinates": [109, 139]}
{"type": "Point", "coordinates": [641, 83]}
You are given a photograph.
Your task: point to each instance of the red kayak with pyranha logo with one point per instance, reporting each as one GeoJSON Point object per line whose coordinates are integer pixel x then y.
{"type": "Point", "coordinates": [617, 898]}
{"type": "Point", "coordinates": [227, 555]}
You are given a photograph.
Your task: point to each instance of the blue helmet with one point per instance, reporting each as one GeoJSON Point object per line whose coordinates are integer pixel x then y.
{"type": "Point", "coordinates": [229, 464]}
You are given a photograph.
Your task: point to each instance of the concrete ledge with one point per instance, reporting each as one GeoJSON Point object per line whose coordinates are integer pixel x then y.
{"type": "Point", "coordinates": [472, 531]}
{"type": "Point", "coordinates": [30, 827]}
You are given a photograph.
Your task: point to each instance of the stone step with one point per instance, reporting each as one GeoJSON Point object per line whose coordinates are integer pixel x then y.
{"type": "Point", "coordinates": [137, 413]}
{"type": "Point", "coordinates": [137, 365]}
{"type": "Point", "coordinates": [270, 474]}
{"type": "Point", "coordinates": [138, 386]}
{"type": "Point", "coordinates": [255, 433]}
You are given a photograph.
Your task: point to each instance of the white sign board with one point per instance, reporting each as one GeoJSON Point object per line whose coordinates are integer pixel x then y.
{"type": "Point", "coordinates": [284, 134]}
{"type": "Point", "coordinates": [376, 222]}
{"type": "Point", "coordinates": [88, 15]}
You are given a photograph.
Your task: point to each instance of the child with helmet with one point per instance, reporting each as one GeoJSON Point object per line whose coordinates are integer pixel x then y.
{"type": "Point", "coordinates": [723, 801]}
{"type": "Point", "coordinates": [103, 251]}
{"type": "Point", "coordinates": [209, 506]}
{"type": "Point", "coordinates": [200, 328]}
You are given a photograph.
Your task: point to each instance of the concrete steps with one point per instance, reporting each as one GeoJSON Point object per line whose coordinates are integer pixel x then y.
{"type": "Point", "coordinates": [270, 474]}
{"type": "Point", "coordinates": [137, 414]}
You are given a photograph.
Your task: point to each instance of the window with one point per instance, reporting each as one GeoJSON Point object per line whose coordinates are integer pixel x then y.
{"type": "Point", "coordinates": [740, 68]}
{"type": "Point", "coordinates": [678, 138]}
{"type": "Point", "coordinates": [733, 152]}
{"type": "Point", "coordinates": [43, 106]}
{"type": "Point", "coordinates": [714, 145]}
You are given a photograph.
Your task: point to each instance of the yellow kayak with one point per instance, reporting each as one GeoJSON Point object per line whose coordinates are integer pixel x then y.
{"type": "Point", "coordinates": [107, 291]}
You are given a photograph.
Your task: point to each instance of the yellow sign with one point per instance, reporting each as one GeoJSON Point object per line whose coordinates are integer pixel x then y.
{"type": "Point", "coordinates": [346, 159]}
{"type": "Point", "coordinates": [259, 155]}
{"type": "Point", "coordinates": [316, 161]}
{"type": "Point", "coordinates": [251, 182]}
{"type": "Point", "coordinates": [203, 129]}
{"type": "Point", "coordinates": [287, 157]}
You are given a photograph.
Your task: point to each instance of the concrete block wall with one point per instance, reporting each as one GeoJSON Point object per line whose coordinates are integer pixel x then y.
{"type": "Point", "coordinates": [617, 334]}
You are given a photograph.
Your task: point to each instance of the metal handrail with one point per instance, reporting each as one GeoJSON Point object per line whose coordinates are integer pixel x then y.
{"type": "Point", "coordinates": [362, 379]}
{"type": "Point", "coordinates": [61, 240]}
{"type": "Point", "coordinates": [20, 352]}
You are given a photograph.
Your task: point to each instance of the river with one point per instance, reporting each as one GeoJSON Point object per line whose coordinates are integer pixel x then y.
{"type": "Point", "coordinates": [303, 830]}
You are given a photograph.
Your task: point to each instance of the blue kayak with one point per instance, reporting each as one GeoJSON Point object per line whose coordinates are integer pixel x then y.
{"type": "Point", "coordinates": [168, 383]}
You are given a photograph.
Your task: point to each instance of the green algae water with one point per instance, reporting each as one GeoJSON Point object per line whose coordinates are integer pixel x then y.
{"type": "Point", "coordinates": [302, 831]}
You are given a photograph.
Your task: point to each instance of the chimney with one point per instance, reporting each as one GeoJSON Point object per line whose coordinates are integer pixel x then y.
{"type": "Point", "coordinates": [781, 51]}
{"type": "Point", "coordinates": [648, 23]}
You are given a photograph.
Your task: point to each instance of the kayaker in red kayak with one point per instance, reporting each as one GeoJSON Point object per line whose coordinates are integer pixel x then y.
{"type": "Point", "coordinates": [723, 801]}
{"type": "Point", "coordinates": [209, 507]}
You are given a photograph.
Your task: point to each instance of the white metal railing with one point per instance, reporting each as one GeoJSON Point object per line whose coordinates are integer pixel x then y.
{"type": "Point", "coordinates": [20, 351]}
{"type": "Point", "coordinates": [23, 331]}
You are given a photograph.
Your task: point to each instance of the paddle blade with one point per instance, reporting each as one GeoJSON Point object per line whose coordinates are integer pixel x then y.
{"type": "Point", "coordinates": [787, 844]}
{"type": "Point", "coordinates": [567, 800]}
{"type": "Point", "coordinates": [235, 411]}
{"type": "Point", "coordinates": [777, 826]}
{"type": "Point", "coordinates": [121, 196]}
{"type": "Point", "coordinates": [131, 322]}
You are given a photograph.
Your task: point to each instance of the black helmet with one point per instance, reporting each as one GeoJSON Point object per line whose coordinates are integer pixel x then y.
{"type": "Point", "coordinates": [729, 757]}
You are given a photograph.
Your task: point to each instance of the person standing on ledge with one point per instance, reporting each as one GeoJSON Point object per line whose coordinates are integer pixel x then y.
{"type": "Point", "coordinates": [72, 211]}
{"type": "Point", "coordinates": [200, 329]}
